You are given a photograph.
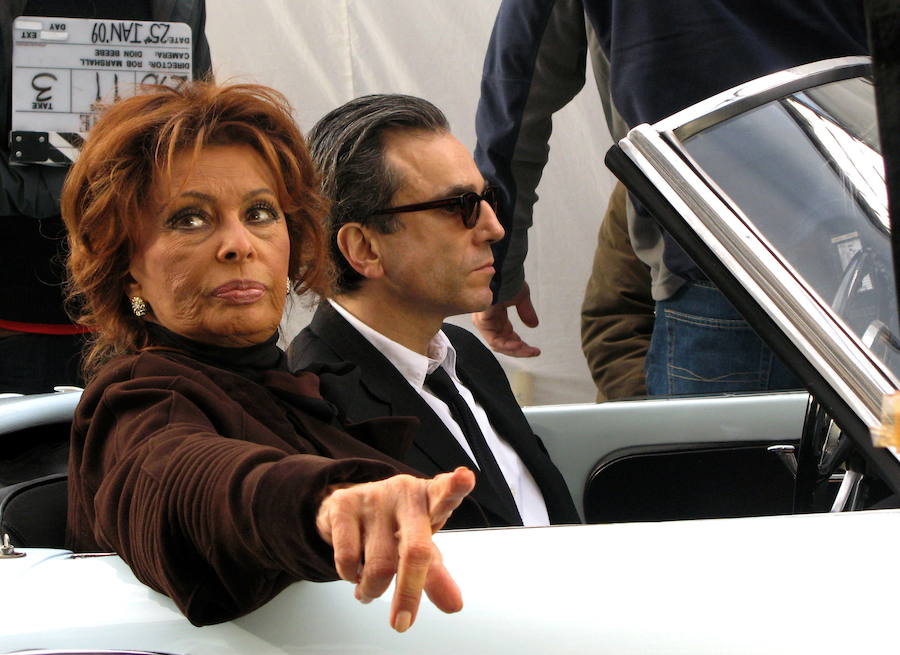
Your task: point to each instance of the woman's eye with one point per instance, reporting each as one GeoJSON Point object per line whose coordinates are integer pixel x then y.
{"type": "Point", "coordinates": [188, 220]}
{"type": "Point", "coordinates": [263, 213]}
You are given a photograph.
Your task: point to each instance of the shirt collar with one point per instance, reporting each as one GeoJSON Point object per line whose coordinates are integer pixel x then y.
{"type": "Point", "coordinates": [412, 365]}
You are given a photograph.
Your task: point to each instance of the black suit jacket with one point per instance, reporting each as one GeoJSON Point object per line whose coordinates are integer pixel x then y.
{"type": "Point", "coordinates": [363, 384]}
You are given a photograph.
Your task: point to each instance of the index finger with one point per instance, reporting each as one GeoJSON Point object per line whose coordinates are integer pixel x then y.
{"type": "Point", "coordinates": [416, 551]}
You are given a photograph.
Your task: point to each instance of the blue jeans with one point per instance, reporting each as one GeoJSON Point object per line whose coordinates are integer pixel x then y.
{"type": "Point", "coordinates": [701, 345]}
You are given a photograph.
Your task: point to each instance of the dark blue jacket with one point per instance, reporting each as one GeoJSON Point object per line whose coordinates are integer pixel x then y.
{"type": "Point", "coordinates": [651, 58]}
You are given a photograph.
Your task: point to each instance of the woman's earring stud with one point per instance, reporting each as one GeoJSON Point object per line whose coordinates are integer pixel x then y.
{"type": "Point", "coordinates": [138, 306]}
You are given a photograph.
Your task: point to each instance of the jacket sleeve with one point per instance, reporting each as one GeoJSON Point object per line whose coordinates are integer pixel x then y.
{"type": "Point", "coordinates": [617, 313]}
{"type": "Point", "coordinates": [535, 64]}
{"type": "Point", "coordinates": [219, 524]}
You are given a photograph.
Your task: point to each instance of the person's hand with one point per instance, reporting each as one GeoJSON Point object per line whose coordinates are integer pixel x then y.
{"type": "Point", "coordinates": [379, 529]}
{"type": "Point", "coordinates": [497, 330]}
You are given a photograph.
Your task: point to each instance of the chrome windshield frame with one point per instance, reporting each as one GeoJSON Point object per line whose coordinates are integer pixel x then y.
{"type": "Point", "coordinates": [722, 106]}
{"type": "Point", "coordinates": [809, 322]}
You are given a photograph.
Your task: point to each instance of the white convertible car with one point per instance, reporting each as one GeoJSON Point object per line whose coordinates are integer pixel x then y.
{"type": "Point", "coordinates": [734, 524]}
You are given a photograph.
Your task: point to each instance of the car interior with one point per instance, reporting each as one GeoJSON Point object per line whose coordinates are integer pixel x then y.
{"type": "Point", "coordinates": [715, 458]}
{"type": "Point", "coordinates": [33, 485]}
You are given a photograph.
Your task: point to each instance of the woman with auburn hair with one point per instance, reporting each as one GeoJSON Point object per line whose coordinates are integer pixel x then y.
{"type": "Point", "coordinates": [215, 473]}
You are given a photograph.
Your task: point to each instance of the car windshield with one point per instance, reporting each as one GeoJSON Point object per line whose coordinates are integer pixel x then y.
{"type": "Point", "coordinates": [807, 173]}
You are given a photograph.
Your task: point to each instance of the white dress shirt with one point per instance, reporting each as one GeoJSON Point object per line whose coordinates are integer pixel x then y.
{"type": "Point", "coordinates": [414, 368]}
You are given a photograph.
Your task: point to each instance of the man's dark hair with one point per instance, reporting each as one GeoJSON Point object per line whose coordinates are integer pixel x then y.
{"type": "Point", "coordinates": [347, 146]}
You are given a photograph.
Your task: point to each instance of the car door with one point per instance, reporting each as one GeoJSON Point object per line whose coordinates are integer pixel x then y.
{"type": "Point", "coordinates": [776, 189]}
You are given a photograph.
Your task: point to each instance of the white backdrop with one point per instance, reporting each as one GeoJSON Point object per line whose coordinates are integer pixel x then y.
{"type": "Point", "coordinates": [321, 53]}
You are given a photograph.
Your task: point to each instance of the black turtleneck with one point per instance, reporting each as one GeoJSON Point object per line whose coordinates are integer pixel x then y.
{"type": "Point", "coordinates": [251, 362]}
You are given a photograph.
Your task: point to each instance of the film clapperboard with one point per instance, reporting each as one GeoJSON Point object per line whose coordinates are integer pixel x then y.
{"type": "Point", "coordinates": [66, 69]}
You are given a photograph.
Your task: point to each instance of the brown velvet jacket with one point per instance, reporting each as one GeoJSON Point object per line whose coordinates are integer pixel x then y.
{"type": "Point", "coordinates": [207, 483]}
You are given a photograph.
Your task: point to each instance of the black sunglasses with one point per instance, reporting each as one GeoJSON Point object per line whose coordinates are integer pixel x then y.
{"type": "Point", "coordinates": [467, 205]}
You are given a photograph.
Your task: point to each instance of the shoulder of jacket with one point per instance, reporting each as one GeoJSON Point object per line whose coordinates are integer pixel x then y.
{"type": "Point", "coordinates": [307, 348]}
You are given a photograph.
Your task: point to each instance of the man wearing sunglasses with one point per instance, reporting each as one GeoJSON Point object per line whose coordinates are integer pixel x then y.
{"type": "Point", "coordinates": [411, 227]}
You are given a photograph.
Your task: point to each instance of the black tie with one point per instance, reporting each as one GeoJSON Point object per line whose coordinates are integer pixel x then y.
{"type": "Point", "coordinates": [442, 386]}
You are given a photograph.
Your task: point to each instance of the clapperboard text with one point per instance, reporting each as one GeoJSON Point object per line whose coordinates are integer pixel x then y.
{"type": "Point", "coordinates": [156, 34]}
{"type": "Point", "coordinates": [66, 70]}
{"type": "Point", "coordinates": [134, 60]}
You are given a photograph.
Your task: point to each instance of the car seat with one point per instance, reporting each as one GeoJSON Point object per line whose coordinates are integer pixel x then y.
{"type": "Point", "coordinates": [33, 513]}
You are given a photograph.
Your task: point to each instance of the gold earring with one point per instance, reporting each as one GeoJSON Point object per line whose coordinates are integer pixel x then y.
{"type": "Point", "coordinates": [288, 287]}
{"type": "Point", "coordinates": [138, 306]}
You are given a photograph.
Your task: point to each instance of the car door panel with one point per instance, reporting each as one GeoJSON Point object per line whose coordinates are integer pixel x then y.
{"type": "Point", "coordinates": [581, 437]}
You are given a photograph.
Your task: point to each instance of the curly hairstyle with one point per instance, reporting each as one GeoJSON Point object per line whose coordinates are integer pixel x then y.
{"type": "Point", "coordinates": [131, 150]}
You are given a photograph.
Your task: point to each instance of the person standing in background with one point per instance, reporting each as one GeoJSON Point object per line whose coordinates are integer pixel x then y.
{"type": "Point", "coordinates": [650, 60]}
{"type": "Point", "coordinates": [40, 347]}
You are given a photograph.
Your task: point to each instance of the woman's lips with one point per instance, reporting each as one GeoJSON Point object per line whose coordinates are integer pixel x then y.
{"type": "Point", "coordinates": [240, 292]}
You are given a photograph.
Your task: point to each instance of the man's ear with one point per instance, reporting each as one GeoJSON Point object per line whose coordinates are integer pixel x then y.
{"type": "Point", "coordinates": [360, 246]}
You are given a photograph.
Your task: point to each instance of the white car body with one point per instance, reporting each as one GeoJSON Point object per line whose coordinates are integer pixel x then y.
{"type": "Point", "coordinates": [751, 585]}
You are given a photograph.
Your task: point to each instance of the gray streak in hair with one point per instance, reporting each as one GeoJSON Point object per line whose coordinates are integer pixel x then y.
{"type": "Point", "coordinates": [347, 147]}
